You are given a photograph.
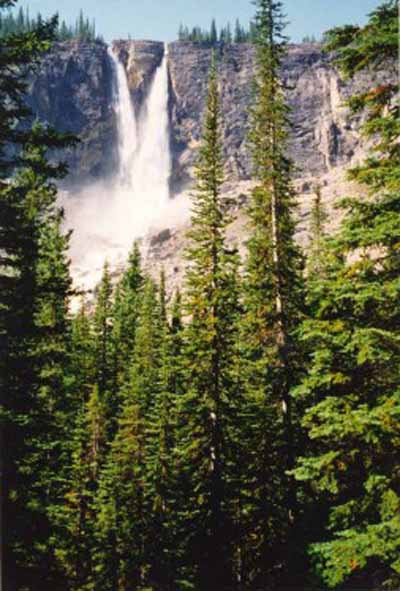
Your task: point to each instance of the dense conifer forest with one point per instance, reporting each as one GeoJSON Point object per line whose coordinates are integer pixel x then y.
{"type": "Point", "coordinates": [243, 436]}
{"type": "Point", "coordinates": [226, 34]}
{"type": "Point", "coordinates": [22, 22]}
{"type": "Point", "coordinates": [214, 36]}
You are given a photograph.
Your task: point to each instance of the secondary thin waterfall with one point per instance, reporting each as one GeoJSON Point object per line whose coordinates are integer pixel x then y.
{"type": "Point", "coordinates": [126, 121]}
{"type": "Point", "coordinates": [143, 145]}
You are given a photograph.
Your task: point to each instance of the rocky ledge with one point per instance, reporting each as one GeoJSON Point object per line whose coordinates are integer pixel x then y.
{"type": "Point", "coordinates": [141, 59]}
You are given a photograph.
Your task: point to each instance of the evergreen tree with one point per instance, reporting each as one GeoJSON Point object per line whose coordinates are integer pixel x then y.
{"type": "Point", "coordinates": [273, 303]}
{"type": "Point", "coordinates": [238, 34]}
{"type": "Point", "coordinates": [124, 508]}
{"type": "Point", "coordinates": [252, 36]}
{"type": "Point", "coordinates": [35, 405]}
{"type": "Point", "coordinates": [20, 55]}
{"type": "Point", "coordinates": [176, 342]}
{"type": "Point", "coordinates": [64, 31]}
{"type": "Point", "coordinates": [75, 519]}
{"type": "Point", "coordinates": [161, 495]}
{"type": "Point", "coordinates": [104, 350]}
{"type": "Point", "coordinates": [32, 321]}
{"type": "Point", "coordinates": [213, 37]}
{"type": "Point", "coordinates": [152, 453]}
{"type": "Point", "coordinates": [352, 389]}
{"type": "Point", "coordinates": [206, 406]}
{"type": "Point", "coordinates": [125, 314]}
{"type": "Point", "coordinates": [119, 556]}
{"type": "Point", "coordinates": [317, 252]}
{"type": "Point", "coordinates": [81, 366]}
{"type": "Point", "coordinates": [228, 33]}
{"type": "Point", "coordinates": [75, 548]}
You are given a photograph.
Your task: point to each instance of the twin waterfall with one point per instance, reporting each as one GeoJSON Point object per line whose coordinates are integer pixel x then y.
{"type": "Point", "coordinates": [143, 144]}
{"type": "Point", "coordinates": [108, 215]}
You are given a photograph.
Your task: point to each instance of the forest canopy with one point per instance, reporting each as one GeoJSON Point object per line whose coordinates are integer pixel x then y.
{"type": "Point", "coordinates": [12, 22]}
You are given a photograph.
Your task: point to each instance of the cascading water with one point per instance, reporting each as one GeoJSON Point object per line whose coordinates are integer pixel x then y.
{"type": "Point", "coordinates": [126, 120]}
{"type": "Point", "coordinates": [107, 218]}
{"type": "Point", "coordinates": [144, 153]}
{"type": "Point", "coordinates": [152, 165]}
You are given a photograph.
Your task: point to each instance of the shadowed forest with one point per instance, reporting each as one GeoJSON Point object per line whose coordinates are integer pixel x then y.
{"type": "Point", "coordinates": [242, 434]}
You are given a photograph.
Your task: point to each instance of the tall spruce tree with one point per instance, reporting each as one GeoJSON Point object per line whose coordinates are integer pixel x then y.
{"type": "Point", "coordinates": [273, 303]}
{"type": "Point", "coordinates": [161, 495]}
{"type": "Point", "coordinates": [125, 314]}
{"type": "Point", "coordinates": [35, 403]}
{"type": "Point", "coordinates": [119, 555]}
{"type": "Point", "coordinates": [76, 518]}
{"type": "Point", "coordinates": [211, 305]}
{"type": "Point", "coordinates": [103, 323]}
{"type": "Point", "coordinates": [81, 368]}
{"type": "Point", "coordinates": [352, 389]}
{"type": "Point", "coordinates": [213, 36]}
{"type": "Point", "coordinates": [317, 251]}
{"type": "Point", "coordinates": [125, 499]}
{"type": "Point", "coordinates": [31, 340]}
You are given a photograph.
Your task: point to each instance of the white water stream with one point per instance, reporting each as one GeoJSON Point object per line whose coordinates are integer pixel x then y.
{"type": "Point", "coordinates": [143, 146]}
{"type": "Point", "coordinates": [126, 120]}
{"type": "Point", "coordinates": [106, 218]}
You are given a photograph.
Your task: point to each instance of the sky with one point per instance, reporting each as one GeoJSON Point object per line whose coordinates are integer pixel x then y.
{"type": "Point", "coordinates": [160, 19]}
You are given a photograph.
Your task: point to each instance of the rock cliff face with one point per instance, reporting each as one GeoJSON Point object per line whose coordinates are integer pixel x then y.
{"type": "Point", "coordinates": [141, 59]}
{"type": "Point", "coordinates": [73, 91]}
{"type": "Point", "coordinates": [324, 134]}
{"type": "Point", "coordinates": [74, 88]}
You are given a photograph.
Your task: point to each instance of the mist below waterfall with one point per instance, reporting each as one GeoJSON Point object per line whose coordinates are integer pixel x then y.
{"type": "Point", "coordinates": [108, 216]}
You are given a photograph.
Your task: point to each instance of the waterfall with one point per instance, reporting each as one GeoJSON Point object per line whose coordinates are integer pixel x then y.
{"type": "Point", "coordinates": [109, 215]}
{"type": "Point", "coordinates": [152, 166]}
{"type": "Point", "coordinates": [126, 120]}
{"type": "Point", "coordinates": [143, 146]}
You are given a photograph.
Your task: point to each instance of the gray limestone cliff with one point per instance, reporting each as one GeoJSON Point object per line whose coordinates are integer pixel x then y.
{"type": "Point", "coordinates": [140, 59]}
{"type": "Point", "coordinates": [73, 91]}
